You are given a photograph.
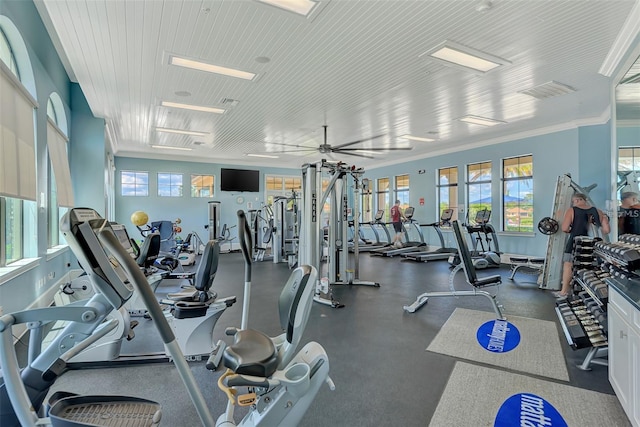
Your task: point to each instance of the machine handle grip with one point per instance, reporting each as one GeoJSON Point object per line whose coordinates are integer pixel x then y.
{"type": "Point", "coordinates": [137, 278]}
{"type": "Point", "coordinates": [244, 381]}
{"type": "Point", "coordinates": [246, 243]}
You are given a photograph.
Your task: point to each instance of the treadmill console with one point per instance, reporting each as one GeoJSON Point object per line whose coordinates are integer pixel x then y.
{"type": "Point", "coordinates": [446, 216]}
{"type": "Point", "coordinates": [483, 216]}
{"type": "Point", "coordinates": [81, 227]}
{"type": "Point", "coordinates": [408, 212]}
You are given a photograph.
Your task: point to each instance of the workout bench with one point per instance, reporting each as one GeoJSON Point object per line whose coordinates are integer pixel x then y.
{"type": "Point", "coordinates": [533, 264]}
{"type": "Point", "coordinates": [472, 279]}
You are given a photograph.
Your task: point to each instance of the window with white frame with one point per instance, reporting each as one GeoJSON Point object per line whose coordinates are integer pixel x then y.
{"type": "Point", "coordinates": [202, 185]}
{"type": "Point", "coordinates": [448, 190]}
{"type": "Point", "coordinates": [18, 213]}
{"type": "Point", "coordinates": [401, 190]}
{"type": "Point", "coordinates": [134, 183]}
{"type": "Point", "coordinates": [169, 184]}
{"type": "Point", "coordinates": [281, 186]}
{"type": "Point", "coordinates": [478, 188]}
{"type": "Point", "coordinates": [517, 194]}
{"type": "Point", "coordinates": [382, 197]}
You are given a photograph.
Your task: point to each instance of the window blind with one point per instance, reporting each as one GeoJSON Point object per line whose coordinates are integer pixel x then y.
{"type": "Point", "coordinates": [17, 138]}
{"type": "Point", "coordinates": [57, 146]}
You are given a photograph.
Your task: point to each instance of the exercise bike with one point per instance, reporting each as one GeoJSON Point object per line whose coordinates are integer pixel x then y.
{"type": "Point", "coordinates": [281, 384]}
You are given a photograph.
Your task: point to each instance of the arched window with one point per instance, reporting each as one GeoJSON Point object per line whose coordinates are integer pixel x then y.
{"type": "Point", "coordinates": [18, 238]}
{"type": "Point", "coordinates": [7, 56]}
{"type": "Point", "coordinates": [60, 190]}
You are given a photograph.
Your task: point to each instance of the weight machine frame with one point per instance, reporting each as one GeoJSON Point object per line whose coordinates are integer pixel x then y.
{"type": "Point", "coordinates": [310, 251]}
{"type": "Point", "coordinates": [551, 276]}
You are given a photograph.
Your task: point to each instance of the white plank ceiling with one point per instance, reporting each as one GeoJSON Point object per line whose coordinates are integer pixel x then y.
{"type": "Point", "coordinates": [354, 66]}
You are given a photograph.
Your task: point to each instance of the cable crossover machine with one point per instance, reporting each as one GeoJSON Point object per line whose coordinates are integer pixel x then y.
{"type": "Point", "coordinates": [339, 271]}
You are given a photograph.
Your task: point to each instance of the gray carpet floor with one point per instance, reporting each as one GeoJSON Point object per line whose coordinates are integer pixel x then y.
{"type": "Point", "coordinates": [382, 373]}
{"type": "Point", "coordinates": [492, 387]}
{"type": "Point", "coordinates": [539, 351]}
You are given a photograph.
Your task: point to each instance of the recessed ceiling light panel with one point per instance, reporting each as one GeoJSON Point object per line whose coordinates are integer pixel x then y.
{"type": "Point", "coordinates": [301, 7]}
{"type": "Point", "coordinates": [210, 68]}
{"type": "Point", "coordinates": [193, 107]}
{"type": "Point", "coordinates": [266, 156]}
{"type": "Point", "coordinates": [182, 131]}
{"type": "Point", "coordinates": [417, 138]}
{"type": "Point", "coordinates": [459, 56]}
{"type": "Point", "coordinates": [169, 147]}
{"type": "Point", "coordinates": [483, 121]}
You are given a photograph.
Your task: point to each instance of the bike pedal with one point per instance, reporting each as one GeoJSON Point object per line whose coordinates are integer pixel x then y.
{"type": "Point", "coordinates": [246, 399]}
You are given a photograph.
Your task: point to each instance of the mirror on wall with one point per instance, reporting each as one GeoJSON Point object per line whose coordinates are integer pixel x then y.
{"type": "Point", "coordinates": [628, 128]}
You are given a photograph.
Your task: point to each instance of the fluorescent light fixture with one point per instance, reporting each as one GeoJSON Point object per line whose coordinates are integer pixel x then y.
{"type": "Point", "coordinates": [210, 68]}
{"type": "Point", "coordinates": [476, 120]}
{"type": "Point", "coordinates": [366, 152]}
{"type": "Point", "coordinates": [301, 7]}
{"type": "Point", "coordinates": [417, 138]}
{"type": "Point", "coordinates": [193, 107]}
{"type": "Point", "coordinates": [168, 147]}
{"type": "Point", "coordinates": [266, 156]}
{"type": "Point", "coordinates": [457, 55]}
{"type": "Point", "coordinates": [182, 131]}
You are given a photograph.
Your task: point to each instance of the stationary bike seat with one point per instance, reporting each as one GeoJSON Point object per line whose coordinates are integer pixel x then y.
{"type": "Point", "coordinates": [252, 353]}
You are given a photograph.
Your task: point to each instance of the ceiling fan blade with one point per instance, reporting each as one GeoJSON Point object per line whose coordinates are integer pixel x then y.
{"type": "Point", "coordinates": [295, 151]}
{"type": "Point", "coordinates": [352, 154]}
{"type": "Point", "coordinates": [375, 149]}
{"type": "Point", "coordinates": [285, 145]}
{"type": "Point", "coordinates": [359, 140]}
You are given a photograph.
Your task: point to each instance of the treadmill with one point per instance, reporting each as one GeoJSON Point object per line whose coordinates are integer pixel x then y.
{"type": "Point", "coordinates": [409, 246]}
{"type": "Point", "coordinates": [443, 252]}
{"type": "Point", "coordinates": [368, 246]}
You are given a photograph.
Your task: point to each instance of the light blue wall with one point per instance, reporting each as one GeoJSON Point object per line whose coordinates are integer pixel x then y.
{"type": "Point", "coordinates": [192, 211]}
{"type": "Point", "coordinates": [554, 154]}
{"type": "Point", "coordinates": [572, 151]}
{"type": "Point", "coordinates": [594, 166]}
{"type": "Point", "coordinates": [88, 155]}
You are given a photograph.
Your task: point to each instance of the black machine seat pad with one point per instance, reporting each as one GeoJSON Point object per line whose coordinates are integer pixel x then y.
{"type": "Point", "coordinates": [252, 353]}
{"type": "Point", "coordinates": [486, 281]}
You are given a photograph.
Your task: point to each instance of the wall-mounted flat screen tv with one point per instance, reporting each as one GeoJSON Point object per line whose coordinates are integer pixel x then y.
{"type": "Point", "coordinates": [240, 180]}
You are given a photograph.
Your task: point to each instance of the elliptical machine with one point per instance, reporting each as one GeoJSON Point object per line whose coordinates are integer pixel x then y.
{"type": "Point", "coordinates": [284, 384]}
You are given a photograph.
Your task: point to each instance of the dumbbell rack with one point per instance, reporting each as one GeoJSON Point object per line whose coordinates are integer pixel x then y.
{"type": "Point", "coordinates": [584, 318]}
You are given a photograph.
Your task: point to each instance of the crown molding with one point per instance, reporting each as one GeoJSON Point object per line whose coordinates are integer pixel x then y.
{"type": "Point", "coordinates": [629, 32]}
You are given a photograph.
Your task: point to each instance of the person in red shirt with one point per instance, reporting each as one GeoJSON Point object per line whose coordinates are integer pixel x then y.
{"type": "Point", "coordinates": [396, 219]}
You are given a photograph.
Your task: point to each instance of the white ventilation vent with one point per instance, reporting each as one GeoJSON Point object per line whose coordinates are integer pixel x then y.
{"type": "Point", "coordinates": [229, 101]}
{"type": "Point", "coordinates": [548, 90]}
